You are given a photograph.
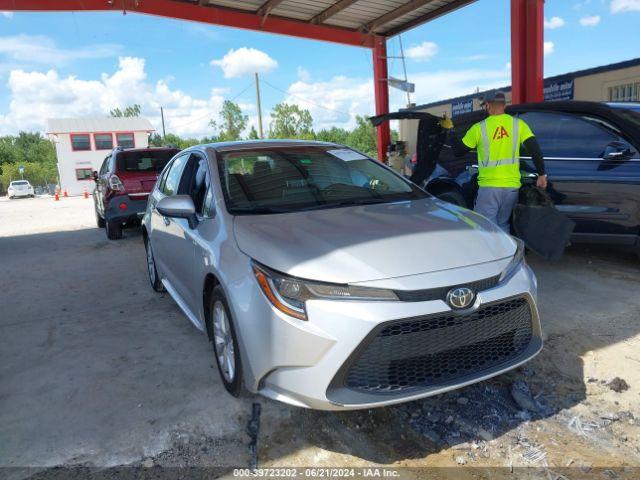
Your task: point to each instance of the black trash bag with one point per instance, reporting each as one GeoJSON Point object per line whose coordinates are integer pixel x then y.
{"type": "Point", "coordinates": [542, 228]}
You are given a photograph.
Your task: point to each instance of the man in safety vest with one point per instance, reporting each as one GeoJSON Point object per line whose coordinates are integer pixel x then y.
{"type": "Point", "coordinates": [497, 140]}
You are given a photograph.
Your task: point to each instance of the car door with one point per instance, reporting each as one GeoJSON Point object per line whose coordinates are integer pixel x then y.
{"type": "Point", "coordinates": [593, 187]}
{"type": "Point", "coordinates": [101, 184]}
{"type": "Point", "coordinates": [164, 231]}
{"type": "Point", "coordinates": [203, 235]}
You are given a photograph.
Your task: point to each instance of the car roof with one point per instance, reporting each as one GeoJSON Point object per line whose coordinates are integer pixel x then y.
{"type": "Point", "coordinates": [143, 149]}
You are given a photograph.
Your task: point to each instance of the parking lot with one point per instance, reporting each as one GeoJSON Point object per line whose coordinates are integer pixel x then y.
{"type": "Point", "coordinates": [97, 369]}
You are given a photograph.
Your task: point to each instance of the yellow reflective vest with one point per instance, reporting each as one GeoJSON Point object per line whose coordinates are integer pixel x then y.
{"type": "Point", "coordinates": [497, 140]}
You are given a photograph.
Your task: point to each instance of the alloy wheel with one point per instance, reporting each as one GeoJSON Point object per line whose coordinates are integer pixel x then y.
{"type": "Point", "coordinates": [223, 341]}
{"type": "Point", "coordinates": [151, 266]}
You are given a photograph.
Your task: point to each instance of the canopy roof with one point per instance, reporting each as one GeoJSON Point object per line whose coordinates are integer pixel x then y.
{"type": "Point", "coordinates": [382, 17]}
{"type": "Point", "coordinates": [350, 22]}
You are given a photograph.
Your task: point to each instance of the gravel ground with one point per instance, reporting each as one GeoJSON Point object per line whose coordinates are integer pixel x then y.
{"type": "Point", "coordinates": [99, 371]}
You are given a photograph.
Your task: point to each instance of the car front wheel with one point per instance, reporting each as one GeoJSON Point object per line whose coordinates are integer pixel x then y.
{"type": "Point", "coordinates": [225, 342]}
{"type": "Point", "coordinates": [156, 283]}
{"type": "Point", "coordinates": [99, 220]}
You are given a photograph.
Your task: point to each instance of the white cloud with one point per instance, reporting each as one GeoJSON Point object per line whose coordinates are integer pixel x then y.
{"type": "Point", "coordinates": [553, 23]}
{"type": "Point", "coordinates": [423, 52]}
{"type": "Point", "coordinates": [40, 49]}
{"type": "Point", "coordinates": [7, 14]}
{"type": "Point", "coordinates": [549, 48]}
{"type": "Point", "coordinates": [244, 61]}
{"type": "Point", "coordinates": [590, 20]}
{"type": "Point", "coordinates": [36, 96]}
{"type": "Point", "coordinates": [338, 100]}
{"type": "Point", "coordinates": [619, 6]}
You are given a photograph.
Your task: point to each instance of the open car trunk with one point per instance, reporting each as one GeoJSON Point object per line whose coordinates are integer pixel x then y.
{"type": "Point", "coordinates": [430, 139]}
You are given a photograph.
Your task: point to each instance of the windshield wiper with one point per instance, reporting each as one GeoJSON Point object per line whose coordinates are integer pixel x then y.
{"type": "Point", "coordinates": [259, 210]}
{"type": "Point", "coordinates": [347, 203]}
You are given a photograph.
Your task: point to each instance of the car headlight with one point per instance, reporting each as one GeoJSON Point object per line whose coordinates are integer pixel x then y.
{"type": "Point", "coordinates": [289, 294]}
{"type": "Point", "coordinates": [515, 262]}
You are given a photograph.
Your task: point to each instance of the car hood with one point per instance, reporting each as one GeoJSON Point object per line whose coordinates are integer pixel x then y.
{"type": "Point", "coordinates": [371, 242]}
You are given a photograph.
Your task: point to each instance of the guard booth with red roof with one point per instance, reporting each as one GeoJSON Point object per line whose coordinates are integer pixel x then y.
{"type": "Point", "coordinates": [359, 23]}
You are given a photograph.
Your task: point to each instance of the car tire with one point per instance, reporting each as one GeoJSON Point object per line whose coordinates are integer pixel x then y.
{"type": "Point", "coordinates": [114, 230]}
{"type": "Point", "coordinates": [99, 220]}
{"type": "Point", "coordinates": [451, 196]}
{"type": "Point", "coordinates": [225, 342]}
{"type": "Point", "coordinates": [152, 271]}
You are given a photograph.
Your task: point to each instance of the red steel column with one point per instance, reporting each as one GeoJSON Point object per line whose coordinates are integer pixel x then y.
{"type": "Point", "coordinates": [527, 50]}
{"type": "Point", "coordinates": [381, 91]}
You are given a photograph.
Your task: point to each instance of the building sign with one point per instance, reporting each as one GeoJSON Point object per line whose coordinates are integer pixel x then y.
{"type": "Point", "coordinates": [558, 91]}
{"type": "Point", "coordinates": [459, 108]}
{"type": "Point", "coordinates": [402, 85]}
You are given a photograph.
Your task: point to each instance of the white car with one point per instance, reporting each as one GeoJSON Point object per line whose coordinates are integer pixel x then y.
{"type": "Point", "coordinates": [325, 280]}
{"type": "Point", "coordinates": [20, 188]}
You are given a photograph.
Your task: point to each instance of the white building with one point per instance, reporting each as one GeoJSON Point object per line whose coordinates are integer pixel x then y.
{"type": "Point", "coordinates": [83, 143]}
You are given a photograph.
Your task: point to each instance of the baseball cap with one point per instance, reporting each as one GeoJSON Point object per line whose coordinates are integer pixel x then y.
{"type": "Point", "coordinates": [493, 96]}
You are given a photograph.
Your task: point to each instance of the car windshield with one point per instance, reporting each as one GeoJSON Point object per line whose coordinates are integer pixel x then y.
{"type": "Point", "coordinates": [286, 179]}
{"type": "Point", "coordinates": [20, 182]}
{"type": "Point", "coordinates": [145, 161]}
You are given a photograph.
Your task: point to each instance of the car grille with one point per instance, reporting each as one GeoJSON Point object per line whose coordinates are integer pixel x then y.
{"type": "Point", "coordinates": [440, 293]}
{"type": "Point", "coordinates": [441, 348]}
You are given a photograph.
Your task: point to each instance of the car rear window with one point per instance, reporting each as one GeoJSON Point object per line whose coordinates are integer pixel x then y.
{"type": "Point", "coordinates": [20, 182]}
{"type": "Point", "coordinates": [146, 161]}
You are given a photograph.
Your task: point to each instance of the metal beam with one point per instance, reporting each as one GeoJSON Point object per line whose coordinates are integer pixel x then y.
{"type": "Point", "coordinates": [393, 14]}
{"type": "Point", "coordinates": [267, 6]}
{"type": "Point", "coordinates": [381, 91]}
{"type": "Point", "coordinates": [332, 10]}
{"type": "Point", "coordinates": [527, 51]}
{"type": "Point", "coordinates": [427, 17]}
{"type": "Point", "coordinates": [192, 11]}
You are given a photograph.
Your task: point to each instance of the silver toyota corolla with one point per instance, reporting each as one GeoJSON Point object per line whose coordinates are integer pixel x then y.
{"type": "Point", "coordinates": [325, 280]}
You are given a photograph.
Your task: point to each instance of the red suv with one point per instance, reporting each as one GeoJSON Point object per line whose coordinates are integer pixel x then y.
{"type": "Point", "coordinates": [123, 184]}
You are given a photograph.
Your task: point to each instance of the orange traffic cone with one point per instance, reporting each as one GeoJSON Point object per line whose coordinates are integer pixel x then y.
{"type": "Point", "coordinates": [85, 194]}
{"type": "Point", "coordinates": [65, 194]}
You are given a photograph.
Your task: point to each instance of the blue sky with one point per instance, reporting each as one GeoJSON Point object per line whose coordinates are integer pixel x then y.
{"type": "Point", "coordinates": [68, 64]}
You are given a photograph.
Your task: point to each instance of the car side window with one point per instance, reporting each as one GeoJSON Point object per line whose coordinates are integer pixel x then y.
{"type": "Point", "coordinates": [195, 181]}
{"type": "Point", "coordinates": [163, 176]}
{"type": "Point", "coordinates": [172, 179]}
{"type": "Point", "coordinates": [563, 135]}
{"type": "Point", "coordinates": [105, 166]}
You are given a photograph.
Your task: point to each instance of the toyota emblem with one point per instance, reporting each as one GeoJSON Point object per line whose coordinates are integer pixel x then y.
{"type": "Point", "coordinates": [460, 297]}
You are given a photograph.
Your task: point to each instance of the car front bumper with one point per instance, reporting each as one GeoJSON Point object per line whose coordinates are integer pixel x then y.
{"type": "Point", "coordinates": [334, 361]}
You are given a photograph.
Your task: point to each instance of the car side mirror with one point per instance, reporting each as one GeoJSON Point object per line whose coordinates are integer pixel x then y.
{"type": "Point", "coordinates": [178, 206]}
{"type": "Point", "coordinates": [616, 151]}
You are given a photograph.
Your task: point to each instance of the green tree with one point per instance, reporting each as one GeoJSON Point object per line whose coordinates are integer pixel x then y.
{"type": "Point", "coordinates": [253, 133]}
{"type": "Point", "coordinates": [363, 137]}
{"type": "Point", "coordinates": [231, 122]}
{"type": "Point", "coordinates": [291, 121]}
{"type": "Point", "coordinates": [333, 134]}
{"type": "Point", "coordinates": [129, 111]}
{"type": "Point", "coordinates": [38, 174]}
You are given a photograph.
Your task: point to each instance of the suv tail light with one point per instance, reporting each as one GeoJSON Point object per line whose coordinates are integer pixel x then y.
{"type": "Point", "coordinates": [115, 184]}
